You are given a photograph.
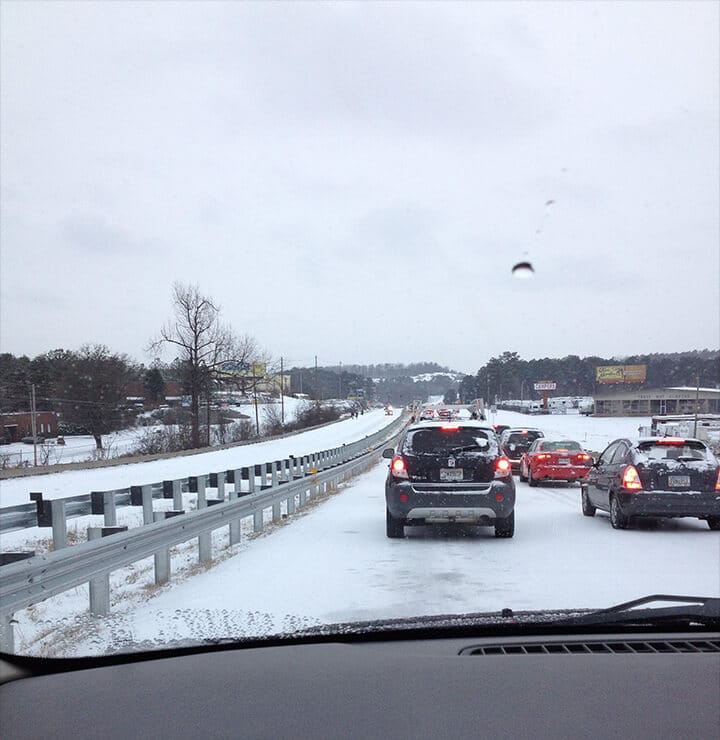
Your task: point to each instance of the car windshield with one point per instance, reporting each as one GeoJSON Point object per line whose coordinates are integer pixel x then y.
{"type": "Point", "coordinates": [684, 450]}
{"type": "Point", "coordinates": [554, 446]}
{"type": "Point", "coordinates": [440, 441]}
{"type": "Point", "coordinates": [261, 261]}
{"type": "Point", "coordinates": [523, 438]}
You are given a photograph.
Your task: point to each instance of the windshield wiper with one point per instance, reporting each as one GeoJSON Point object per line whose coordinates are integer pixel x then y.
{"type": "Point", "coordinates": [698, 610]}
{"type": "Point", "coordinates": [465, 448]}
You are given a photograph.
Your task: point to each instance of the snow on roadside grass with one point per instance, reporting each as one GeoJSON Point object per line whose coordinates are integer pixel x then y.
{"type": "Point", "coordinates": [62, 626]}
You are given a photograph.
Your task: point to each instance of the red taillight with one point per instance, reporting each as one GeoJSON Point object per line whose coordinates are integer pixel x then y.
{"type": "Point", "coordinates": [631, 480]}
{"type": "Point", "coordinates": [677, 441]}
{"type": "Point", "coordinates": [717, 482]}
{"type": "Point", "coordinates": [398, 468]}
{"type": "Point", "coordinates": [584, 457]}
{"type": "Point", "coordinates": [543, 456]}
{"type": "Point", "coordinates": [502, 467]}
{"type": "Point", "coordinates": [449, 428]}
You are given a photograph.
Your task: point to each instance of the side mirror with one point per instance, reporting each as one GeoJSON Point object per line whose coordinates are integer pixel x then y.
{"type": "Point", "coordinates": [388, 453]}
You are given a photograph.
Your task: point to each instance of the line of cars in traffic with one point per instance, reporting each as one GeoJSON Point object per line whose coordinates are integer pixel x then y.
{"type": "Point", "coordinates": [461, 471]}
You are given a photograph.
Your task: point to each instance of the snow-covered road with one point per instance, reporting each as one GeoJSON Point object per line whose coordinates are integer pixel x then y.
{"type": "Point", "coordinates": [335, 564]}
{"type": "Point", "coordinates": [332, 562]}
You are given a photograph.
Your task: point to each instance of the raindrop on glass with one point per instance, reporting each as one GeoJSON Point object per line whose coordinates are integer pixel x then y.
{"type": "Point", "coordinates": [523, 270]}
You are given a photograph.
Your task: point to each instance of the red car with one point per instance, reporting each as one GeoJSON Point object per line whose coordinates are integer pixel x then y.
{"type": "Point", "coordinates": [547, 460]}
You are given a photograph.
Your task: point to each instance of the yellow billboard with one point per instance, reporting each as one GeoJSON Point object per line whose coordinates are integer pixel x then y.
{"type": "Point", "coordinates": [621, 373]}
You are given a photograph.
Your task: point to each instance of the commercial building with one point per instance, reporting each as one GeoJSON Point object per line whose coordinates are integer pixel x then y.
{"type": "Point", "coordinates": [661, 401]}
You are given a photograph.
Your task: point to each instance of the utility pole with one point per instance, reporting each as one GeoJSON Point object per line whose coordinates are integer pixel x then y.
{"type": "Point", "coordinates": [282, 393]}
{"type": "Point", "coordinates": [257, 413]}
{"type": "Point", "coordinates": [317, 390]}
{"type": "Point", "coordinates": [33, 411]}
{"type": "Point", "coordinates": [340, 382]}
{"type": "Point", "coordinates": [697, 399]}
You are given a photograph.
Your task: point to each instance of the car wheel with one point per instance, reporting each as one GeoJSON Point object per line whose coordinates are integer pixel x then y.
{"type": "Point", "coordinates": [587, 508]}
{"type": "Point", "coordinates": [523, 478]}
{"type": "Point", "coordinates": [505, 527]}
{"type": "Point", "coordinates": [531, 481]}
{"type": "Point", "coordinates": [394, 527]}
{"type": "Point", "coordinates": [714, 522]}
{"type": "Point", "coordinates": [618, 519]}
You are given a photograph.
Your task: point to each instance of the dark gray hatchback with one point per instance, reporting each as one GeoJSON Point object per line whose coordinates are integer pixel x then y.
{"type": "Point", "coordinates": [446, 472]}
{"type": "Point", "coordinates": [654, 477]}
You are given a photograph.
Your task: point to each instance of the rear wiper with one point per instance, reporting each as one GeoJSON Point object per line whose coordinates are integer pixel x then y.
{"type": "Point", "coordinates": [465, 448]}
{"type": "Point", "coordinates": [699, 610]}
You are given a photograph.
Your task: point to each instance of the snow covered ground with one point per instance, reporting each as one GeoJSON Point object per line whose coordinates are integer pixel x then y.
{"type": "Point", "coordinates": [82, 448]}
{"type": "Point", "coordinates": [333, 562]}
{"type": "Point", "coordinates": [72, 482]}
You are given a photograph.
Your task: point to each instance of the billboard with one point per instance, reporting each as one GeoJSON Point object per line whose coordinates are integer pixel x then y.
{"type": "Point", "coordinates": [545, 385]}
{"type": "Point", "coordinates": [621, 373]}
{"type": "Point", "coordinates": [243, 369]}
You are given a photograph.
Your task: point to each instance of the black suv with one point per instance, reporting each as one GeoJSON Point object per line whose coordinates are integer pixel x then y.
{"type": "Point", "coordinates": [516, 442]}
{"type": "Point", "coordinates": [449, 472]}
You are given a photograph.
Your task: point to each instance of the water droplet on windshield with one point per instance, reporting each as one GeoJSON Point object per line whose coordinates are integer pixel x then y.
{"type": "Point", "coordinates": [523, 270]}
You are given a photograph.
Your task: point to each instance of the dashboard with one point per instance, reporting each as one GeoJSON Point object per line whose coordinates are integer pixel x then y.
{"type": "Point", "coordinates": [598, 685]}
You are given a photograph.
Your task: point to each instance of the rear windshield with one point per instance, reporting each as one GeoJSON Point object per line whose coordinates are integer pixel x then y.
{"type": "Point", "coordinates": [443, 441]}
{"type": "Point", "coordinates": [688, 450]}
{"type": "Point", "coordinates": [567, 444]}
{"type": "Point", "coordinates": [518, 438]}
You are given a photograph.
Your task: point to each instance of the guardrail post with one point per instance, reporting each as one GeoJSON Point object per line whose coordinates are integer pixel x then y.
{"type": "Point", "coordinates": [173, 489]}
{"type": "Point", "coordinates": [196, 484]}
{"type": "Point", "coordinates": [276, 510]}
{"type": "Point", "coordinates": [103, 502]}
{"type": "Point", "coordinates": [234, 528]}
{"type": "Point", "coordinates": [161, 558]}
{"type": "Point", "coordinates": [285, 476]}
{"type": "Point", "coordinates": [7, 634]}
{"type": "Point", "coordinates": [100, 585]}
{"type": "Point", "coordinates": [220, 485]}
{"type": "Point", "coordinates": [291, 504]}
{"type": "Point", "coordinates": [142, 496]}
{"type": "Point", "coordinates": [274, 466]}
{"type": "Point", "coordinates": [59, 524]}
{"type": "Point", "coordinates": [250, 478]}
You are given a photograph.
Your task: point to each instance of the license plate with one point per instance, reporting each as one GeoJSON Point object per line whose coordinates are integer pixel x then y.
{"type": "Point", "coordinates": [451, 474]}
{"type": "Point", "coordinates": [564, 461]}
{"type": "Point", "coordinates": [679, 481]}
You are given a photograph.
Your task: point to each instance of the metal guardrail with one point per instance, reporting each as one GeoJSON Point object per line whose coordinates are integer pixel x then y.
{"type": "Point", "coordinates": [38, 578]}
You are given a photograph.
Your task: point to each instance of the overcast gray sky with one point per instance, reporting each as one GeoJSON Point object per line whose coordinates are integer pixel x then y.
{"type": "Point", "coordinates": [357, 180]}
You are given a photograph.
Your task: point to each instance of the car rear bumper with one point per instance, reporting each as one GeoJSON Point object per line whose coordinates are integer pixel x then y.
{"type": "Point", "coordinates": [436, 503]}
{"type": "Point", "coordinates": [671, 504]}
{"type": "Point", "coordinates": [559, 472]}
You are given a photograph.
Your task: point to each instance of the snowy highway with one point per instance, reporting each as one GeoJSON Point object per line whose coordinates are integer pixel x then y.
{"type": "Point", "coordinates": [334, 563]}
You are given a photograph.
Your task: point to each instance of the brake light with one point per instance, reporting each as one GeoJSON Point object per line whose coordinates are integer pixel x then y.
{"type": "Point", "coordinates": [717, 482]}
{"type": "Point", "coordinates": [631, 480]}
{"type": "Point", "coordinates": [524, 431]}
{"type": "Point", "coordinates": [502, 467]}
{"type": "Point", "coordinates": [398, 468]}
{"type": "Point", "coordinates": [583, 456]}
{"type": "Point", "coordinates": [449, 428]}
{"type": "Point", "coordinates": [671, 441]}
{"type": "Point", "coordinates": [543, 456]}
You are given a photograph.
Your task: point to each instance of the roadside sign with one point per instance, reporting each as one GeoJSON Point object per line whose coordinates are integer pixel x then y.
{"type": "Point", "coordinates": [545, 385]}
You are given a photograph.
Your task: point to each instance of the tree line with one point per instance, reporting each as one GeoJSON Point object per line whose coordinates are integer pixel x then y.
{"type": "Point", "coordinates": [508, 376]}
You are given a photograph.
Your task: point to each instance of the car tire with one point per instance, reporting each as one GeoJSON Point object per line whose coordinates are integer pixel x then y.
{"type": "Point", "coordinates": [618, 519]}
{"type": "Point", "coordinates": [531, 481]}
{"type": "Point", "coordinates": [714, 523]}
{"type": "Point", "coordinates": [523, 478]}
{"type": "Point", "coordinates": [394, 527]}
{"type": "Point", "coordinates": [587, 508]}
{"type": "Point", "coordinates": [505, 527]}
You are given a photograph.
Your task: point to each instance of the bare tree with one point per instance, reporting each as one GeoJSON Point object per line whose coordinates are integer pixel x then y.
{"type": "Point", "coordinates": [209, 351]}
